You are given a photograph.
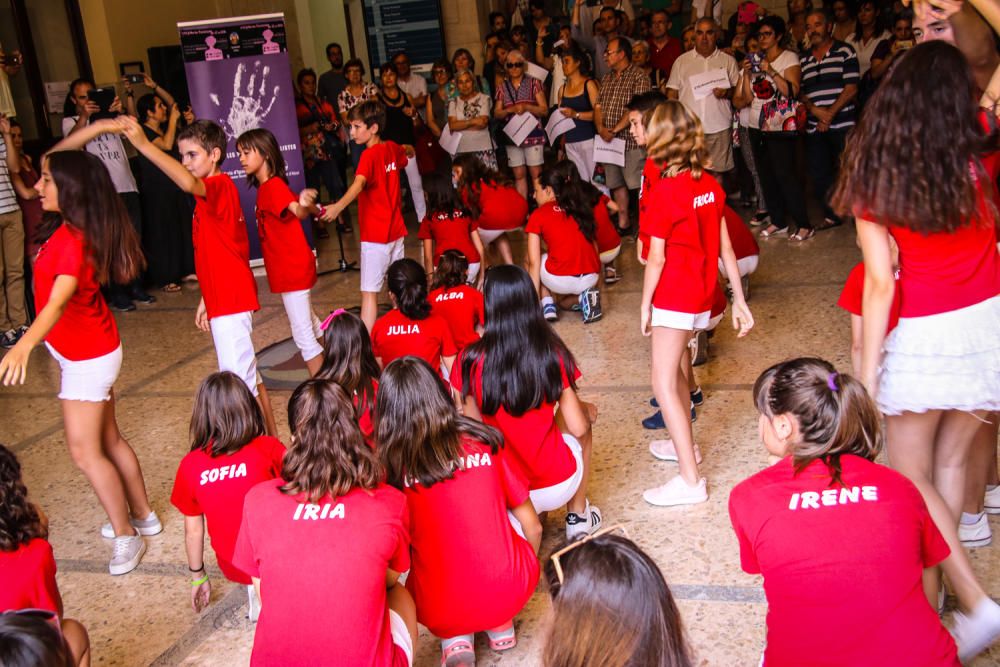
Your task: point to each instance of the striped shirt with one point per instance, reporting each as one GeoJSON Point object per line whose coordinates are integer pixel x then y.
{"type": "Point", "coordinates": [824, 80]}
{"type": "Point", "coordinates": [8, 198]}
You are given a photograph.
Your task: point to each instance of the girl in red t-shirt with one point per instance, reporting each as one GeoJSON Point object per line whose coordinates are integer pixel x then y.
{"type": "Point", "coordinates": [936, 377]}
{"type": "Point", "coordinates": [513, 379]}
{"type": "Point", "coordinates": [492, 201]}
{"type": "Point", "coordinates": [571, 267]}
{"type": "Point", "coordinates": [688, 234]}
{"type": "Point", "coordinates": [92, 243]}
{"type": "Point", "coordinates": [348, 360]}
{"type": "Point", "coordinates": [609, 243]}
{"type": "Point", "coordinates": [328, 541]}
{"type": "Point", "coordinates": [449, 226]}
{"type": "Point", "coordinates": [410, 327]}
{"type": "Point", "coordinates": [460, 304]}
{"type": "Point", "coordinates": [459, 487]}
{"type": "Point", "coordinates": [290, 264]}
{"type": "Point", "coordinates": [831, 530]}
{"type": "Point", "coordinates": [27, 566]}
{"type": "Point", "coordinates": [230, 454]}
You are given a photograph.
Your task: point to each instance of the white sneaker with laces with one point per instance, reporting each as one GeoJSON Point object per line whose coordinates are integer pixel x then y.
{"type": "Point", "coordinates": [664, 450]}
{"type": "Point", "coordinates": [977, 534]}
{"type": "Point", "coordinates": [977, 630]}
{"type": "Point", "coordinates": [126, 554]}
{"type": "Point", "coordinates": [149, 526]}
{"type": "Point", "coordinates": [992, 503]}
{"type": "Point", "coordinates": [677, 492]}
{"type": "Point", "coordinates": [583, 524]}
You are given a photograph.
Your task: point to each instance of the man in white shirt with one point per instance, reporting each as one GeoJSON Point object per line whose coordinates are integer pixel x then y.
{"type": "Point", "coordinates": [412, 84]}
{"type": "Point", "coordinates": [712, 106]}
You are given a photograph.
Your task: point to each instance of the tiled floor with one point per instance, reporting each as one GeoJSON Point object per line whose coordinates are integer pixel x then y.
{"type": "Point", "coordinates": [145, 617]}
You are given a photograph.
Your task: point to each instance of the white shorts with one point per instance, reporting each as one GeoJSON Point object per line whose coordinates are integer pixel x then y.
{"type": "Point", "coordinates": [714, 322]}
{"type": "Point", "coordinates": [89, 379]}
{"type": "Point", "coordinates": [474, 271]}
{"type": "Point", "coordinates": [488, 236]}
{"type": "Point", "coordinates": [401, 635]}
{"type": "Point", "coordinates": [609, 256]}
{"type": "Point", "coordinates": [558, 495]}
{"type": "Point", "coordinates": [746, 265]}
{"type": "Point", "coordinates": [533, 156]}
{"type": "Point", "coordinates": [304, 323]}
{"type": "Point", "coordinates": [673, 319]}
{"type": "Point", "coordinates": [234, 346]}
{"type": "Point", "coordinates": [375, 261]}
{"type": "Point", "coordinates": [567, 284]}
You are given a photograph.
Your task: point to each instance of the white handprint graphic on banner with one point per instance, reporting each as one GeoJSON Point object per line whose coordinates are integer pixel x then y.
{"type": "Point", "coordinates": [247, 111]}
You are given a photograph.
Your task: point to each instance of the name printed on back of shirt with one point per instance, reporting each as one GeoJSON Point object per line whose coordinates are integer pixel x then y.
{"type": "Point", "coordinates": [468, 461]}
{"type": "Point", "coordinates": [704, 200]}
{"type": "Point", "coordinates": [390, 167]}
{"type": "Point", "coordinates": [225, 472]}
{"type": "Point", "coordinates": [312, 512]}
{"type": "Point", "coordinates": [832, 497]}
{"type": "Point", "coordinates": [403, 329]}
{"type": "Point", "coordinates": [449, 296]}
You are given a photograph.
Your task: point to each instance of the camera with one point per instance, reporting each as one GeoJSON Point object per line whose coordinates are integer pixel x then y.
{"type": "Point", "coordinates": [135, 78]}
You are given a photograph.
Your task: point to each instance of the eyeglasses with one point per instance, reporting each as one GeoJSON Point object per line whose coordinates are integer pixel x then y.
{"type": "Point", "coordinates": [765, 33]}
{"type": "Point", "coordinates": [566, 549]}
{"type": "Point", "coordinates": [439, 71]}
{"type": "Point", "coordinates": [514, 65]}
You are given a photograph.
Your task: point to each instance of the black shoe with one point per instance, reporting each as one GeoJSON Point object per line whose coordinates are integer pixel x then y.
{"type": "Point", "coordinates": [321, 233]}
{"type": "Point", "coordinates": [142, 296]}
{"type": "Point", "coordinates": [122, 304]}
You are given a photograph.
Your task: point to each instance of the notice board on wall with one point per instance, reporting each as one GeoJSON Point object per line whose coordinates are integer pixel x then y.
{"type": "Point", "coordinates": [413, 26]}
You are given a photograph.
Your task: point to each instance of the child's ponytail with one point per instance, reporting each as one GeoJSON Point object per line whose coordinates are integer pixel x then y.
{"type": "Point", "coordinates": [408, 283]}
{"type": "Point", "coordinates": [571, 197]}
{"type": "Point", "coordinates": [836, 415]}
{"type": "Point", "coordinates": [452, 270]}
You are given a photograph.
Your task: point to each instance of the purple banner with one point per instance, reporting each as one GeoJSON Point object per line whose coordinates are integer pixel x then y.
{"type": "Point", "coordinates": [239, 76]}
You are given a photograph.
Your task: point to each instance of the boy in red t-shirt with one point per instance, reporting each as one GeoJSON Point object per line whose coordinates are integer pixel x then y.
{"type": "Point", "coordinates": [380, 214]}
{"type": "Point", "coordinates": [221, 246]}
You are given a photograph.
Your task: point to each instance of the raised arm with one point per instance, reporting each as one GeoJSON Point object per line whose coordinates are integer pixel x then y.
{"type": "Point", "coordinates": [83, 136]}
{"type": "Point", "coordinates": [174, 170]}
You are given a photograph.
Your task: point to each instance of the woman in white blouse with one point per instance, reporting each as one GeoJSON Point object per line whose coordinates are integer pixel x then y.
{"type": "Point", "coordinates": [469, 114]}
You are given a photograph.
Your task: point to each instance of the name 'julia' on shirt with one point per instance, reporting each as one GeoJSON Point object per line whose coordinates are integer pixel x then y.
{"type": "Point", "coordinates": [832, 497]}
{"type": "Point", "coordinates": [403, 329]}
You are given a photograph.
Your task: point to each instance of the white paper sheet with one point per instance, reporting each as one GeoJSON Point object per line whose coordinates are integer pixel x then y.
{"type": "Point", "coordinates": [609, 152]}
{"type": "Point", "coordinates": [520, 126]}
{"type": "Point", "coordinates": [536, 71]}
{"type": "Point", "coordinates": [558, 125]}
{"type": "Point", "coordinates": [449, 140]}
{"type": "Point", "coordinates": [703, 84]}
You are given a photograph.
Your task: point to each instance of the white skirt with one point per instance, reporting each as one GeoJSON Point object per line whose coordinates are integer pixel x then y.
{"type": "Point", "coordinates": [948, 361]}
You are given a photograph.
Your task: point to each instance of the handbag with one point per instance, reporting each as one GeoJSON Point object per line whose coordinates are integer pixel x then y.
{"type": "Point", "coordinates": [781, 114]}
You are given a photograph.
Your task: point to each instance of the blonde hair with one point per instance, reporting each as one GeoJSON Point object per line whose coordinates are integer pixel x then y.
{"type": "Point", "coordinates": [675, 140]}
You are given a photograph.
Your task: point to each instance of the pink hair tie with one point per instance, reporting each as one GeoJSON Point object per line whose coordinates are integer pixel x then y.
{"type": "Point", "coordinates": [831, 381]}
{"type": "Point", "coordinates": [329, 318]}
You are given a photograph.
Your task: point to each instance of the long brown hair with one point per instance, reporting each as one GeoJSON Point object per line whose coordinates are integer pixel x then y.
{"type": "Point", "coordinates": [418, 430]}
{"type": "Point", "coordinates": [474, 175]}
{"type": "Point", "coordinates": [349, 361]}
{"type": "Point", "coordinates": [263, 142]}
{"type": "Point", "coordinates": [836, 415]}
{"type": "Point", "coordinates": [88, 202]}
{"type": "Point", "coordinates": [612, 609]}
{"type": "Point", "coordinates": [226, 416]}
{"type": "Point", "coordinates": [914, 158]}
{"type": "Point", "coordinates": [328, 454]}
{"type": "Point", "coordinates": [20, 520]}
{"type": "Point", "coordinates": [675, 140]}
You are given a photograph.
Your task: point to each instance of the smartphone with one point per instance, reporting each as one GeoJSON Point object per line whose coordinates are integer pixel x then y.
{"type": "Point", "coordinates": [135, 78]}
{"type": "Point", "coordinates": [104, 98]}
{"type": "Point", "coordinates": [755, 59]}
{"type": "Point", "coordinates": [904, 44]}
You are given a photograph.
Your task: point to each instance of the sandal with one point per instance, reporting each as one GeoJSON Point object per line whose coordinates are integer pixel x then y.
{"type": "Point", "coordinates": [803, 234]}
{"type": "Point", "coordinates": [828, 223]}
{"type": "Point", "coordinates": [760, 218]}
{"type": "Point", "coordinates": [458, 654]}
{"type": "Point", "coordinates": [171, 287]}
{"type": "Point", "coordinates": [773, 230]}
{"type": "Point", "coordinates": [502, 640]}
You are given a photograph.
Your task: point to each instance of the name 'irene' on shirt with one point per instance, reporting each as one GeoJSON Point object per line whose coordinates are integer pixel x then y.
{"type": "Point", "coordinates": [830, 497]}
{"type": "Point", "coordinates": [225, 472]}
{"type": "Point", "coordinates": [311, 512]}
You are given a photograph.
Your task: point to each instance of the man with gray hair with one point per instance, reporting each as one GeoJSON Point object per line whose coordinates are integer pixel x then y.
{"type": "Point", "coordinates": [711, 105]}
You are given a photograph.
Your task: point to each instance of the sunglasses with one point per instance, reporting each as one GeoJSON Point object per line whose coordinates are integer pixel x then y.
{"type": "Point", "coordinates": [514, 65]}
{"type": "Point", "coordinates": [565, 550]}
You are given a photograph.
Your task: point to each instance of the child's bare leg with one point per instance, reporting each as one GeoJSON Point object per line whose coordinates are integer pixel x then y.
{"type": "Point", "coordinates": [264, 400]}
{"type": "Point", "coordinates": [369, 308]}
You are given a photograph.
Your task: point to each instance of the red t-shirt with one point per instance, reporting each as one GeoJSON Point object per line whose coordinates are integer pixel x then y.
{"type": "Point", "coordinates": [607, 235]}
{"type": "Point", "coordinates": [395, 335]}
{"type": "Point", "coordinates": [743, 240]}
{"type": "Point", "coordinates": [462, 308]}
{"type": "Point", "coordinates": [461, 525]}
{"type": "Point", "coordinates": [86, 328]}
{"type": "Point", "coordinates": [533, 439]}
{"type": "Point", "coordinates": [365, 422]}
{"type": "Point", "coordinates": [29, 578]}
{"type": "Point", "coordinates": [853, 292]}
{"type": "Point", "coordinates": [502, 207]}
{"type": "Point", "coordinates": [289, 261]}
{"type": "Point", "coordinates": [663, 59]}
{"type": "Point", "coordinates": [222, 249]}
{"type": "Point", "coordinates": [380, 212]}
{"type": "Point", "coordinates": [650, 177]}
{"type": "Point", "coordinates": [216, 488]}
{"type": "Point", "coordinates": [322, 570]}
{"type": "Point", "coordinates": [842, 565]}
{"type": "Point", "coordinates": [570, 253]}
{"type": "Point", "coordinates": [450, 231]}
{"type": "Point", "coordinates": [687, 214]}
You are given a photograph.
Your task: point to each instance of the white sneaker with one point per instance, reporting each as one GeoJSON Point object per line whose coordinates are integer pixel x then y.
{"type": "Point", "coordinates": [992, 502]}
{"type": "Point", "coordinates": [975, 632]}
{"type": "Point", "coordinates": [977, 534]}
{"type": "Point", "coordinates": [149, 526]}
{"type": "Point", "coordinates": [664, 450]}
{"type": "Point", "coordinates": [253, 604]}
{"type": "Point", "coordinates": [677, 492]}
{"type": "Point", "coordinates": [127, 553]}
{"type": "Point", "coordinates": [584, 524]}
